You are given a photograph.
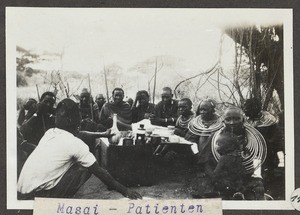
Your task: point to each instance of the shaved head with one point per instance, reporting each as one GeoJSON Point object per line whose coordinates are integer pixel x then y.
{"type": "Point", "coordinates": [188, 101]}
{"type": "Point", "coordinates": [233, 111]}
{"type": "Point", "coordinates": [185, 106]}
{"type": "Point", "coordinates": [100, 96]}
{"type": "Point", "coordinates": [166, 95]}
{"type": "Point", "coordinates": [206, 109]}
{"type": "Point", "coordinates": [233, 118]}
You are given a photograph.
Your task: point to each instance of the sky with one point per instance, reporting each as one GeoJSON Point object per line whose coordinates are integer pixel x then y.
{"type": "Point", "coordinates": [92, 38]}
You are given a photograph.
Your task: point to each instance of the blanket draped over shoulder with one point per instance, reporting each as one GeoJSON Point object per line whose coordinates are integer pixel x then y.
{"type": "Point", "coordinates": [123, 111]}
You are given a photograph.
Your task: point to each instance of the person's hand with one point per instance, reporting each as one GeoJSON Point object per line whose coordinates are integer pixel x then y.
{"type": "Point", "coordinates": [155, 120]}
{"type": "Point", "coordinates": [149, 115]}
{"type": "Point", "coordinates": [194, 148]}
{"type": "Point", "coordinates": [152, 119]}
{"type": "Point", "coordinates": [132, 194]}
{"type": "Point", "coordinates": [108, 133]}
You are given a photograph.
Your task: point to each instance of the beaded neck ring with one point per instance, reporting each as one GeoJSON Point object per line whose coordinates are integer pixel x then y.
{"type": "Point", "coordinates": [184, 123]}
{"type": "Point", "coordinates": [205, 128]}
{"type": "Point", "coordinates": [254, 147]}
{"type": "Point", "coordinates": [266, 119]}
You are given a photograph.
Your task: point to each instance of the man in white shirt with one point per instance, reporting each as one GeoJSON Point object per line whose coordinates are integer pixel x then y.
{"type": "Point", "coordinates": [61, 162]}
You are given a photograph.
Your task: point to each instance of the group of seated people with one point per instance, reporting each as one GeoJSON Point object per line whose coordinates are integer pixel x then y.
{"type": "Point", "coordinates": [56, 157]}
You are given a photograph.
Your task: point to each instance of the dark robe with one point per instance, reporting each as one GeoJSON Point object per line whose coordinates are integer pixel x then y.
{"type": "Point", "coordinates": [123, 111]}
{"type": "Point", "coordinates": [167, 112]}
{"type": "Point", "coordinates": [138, 113]}
{"type": "Point", "coordinates": [34, 129]}
{"type": "Point", "coordinates": [227, 177]}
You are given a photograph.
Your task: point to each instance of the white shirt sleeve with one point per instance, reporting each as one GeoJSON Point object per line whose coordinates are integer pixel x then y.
{"type": "Point", "coordinates": [83, 155]}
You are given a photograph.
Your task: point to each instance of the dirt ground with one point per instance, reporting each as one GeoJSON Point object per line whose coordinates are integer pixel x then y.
{"type": "Point", "coordinates": [170, 183]}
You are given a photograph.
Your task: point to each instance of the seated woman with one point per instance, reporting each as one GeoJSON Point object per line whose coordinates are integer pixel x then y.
{"type": "Point", "coordinates": [185, 116]}
{"type": "Point", "coordinates": [251, 147]}
{"type": "Point", "coordinates": [267, 125]}
{"type": "Point", "coordinates": [204, 125]}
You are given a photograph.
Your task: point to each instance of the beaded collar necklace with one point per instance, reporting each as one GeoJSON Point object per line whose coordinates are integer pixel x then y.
{"type": "Point", "coordinates": [184, 123]}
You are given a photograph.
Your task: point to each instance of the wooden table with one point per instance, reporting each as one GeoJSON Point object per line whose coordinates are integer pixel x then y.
{"type": "Point", "coordinates": [130, 165]}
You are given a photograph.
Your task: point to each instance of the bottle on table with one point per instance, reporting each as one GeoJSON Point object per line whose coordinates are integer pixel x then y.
{"type": "Point", "coordinates": [114, 130]}
{"type": "Point", "coordinates": [140, 136]}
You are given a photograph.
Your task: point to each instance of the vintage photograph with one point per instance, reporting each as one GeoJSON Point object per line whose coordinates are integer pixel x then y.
{"type": "Point", "coordinates": [149, 103]}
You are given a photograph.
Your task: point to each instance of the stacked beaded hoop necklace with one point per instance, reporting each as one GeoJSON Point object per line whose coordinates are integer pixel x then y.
{"type": "Point", "coordinates": [202, 127]}
{"type": "Point", "coordinates": [183, 123]}
{"type": "Point", "coordinates": [265, 120]}
{"type": "Point", "coordinates": [256, 148]}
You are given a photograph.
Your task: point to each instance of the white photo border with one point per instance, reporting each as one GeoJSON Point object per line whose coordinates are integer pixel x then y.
{"type": "Point", "coordinates": [11, 95]}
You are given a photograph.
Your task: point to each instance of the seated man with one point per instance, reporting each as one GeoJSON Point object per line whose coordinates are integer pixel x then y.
{"type": "Point", "coordinates": [86, 107]}
{"type": "Point", "coordinates": [165, 110]}
{"type": "Point", "coordinates": [119, 107]}
{"type": "Point", "coordinates": [142, 108]}
{"type": "Point", "coordinates": [185, 116]}
{"type": "Point", "coordinates": [40, 120]}
{"type": "Point", "coordinates": [204, 125]}
{"type": "Point", "coordinates": [61, 163]}
{"type": "Point", "coordinates": [30, 107]}
{"type": "Point", "coordinates": [89, 113]}
{"type": "Point", "coordinates": [100, 101]}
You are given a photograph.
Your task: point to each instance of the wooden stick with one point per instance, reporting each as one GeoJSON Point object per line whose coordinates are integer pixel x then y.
{"type": "Point", "coordinates": [91, 103]}
{"type": "Point", "coordinates": [154, 85]}
{"type": "Point", "coordinates": [106, 85]}
{"type": "Point", "coordinates": [39, 98]}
